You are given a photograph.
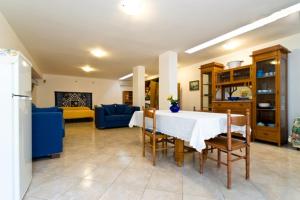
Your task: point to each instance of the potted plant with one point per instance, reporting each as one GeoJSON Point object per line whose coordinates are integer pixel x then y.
{"type": "Point", "coordinates": [174, 104]}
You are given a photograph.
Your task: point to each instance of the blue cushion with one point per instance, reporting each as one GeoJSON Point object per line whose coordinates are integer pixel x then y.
{"type": "Point", "coordinates": [118, 118]}
{"type": "Point", "coordinates": [50, 109]}
{"type": "Point", "coordinates": [128, 110]}
{"type": "Point", "coordinates": [110, 109]}
{"type": "Point", "coordinates": [120, 108]}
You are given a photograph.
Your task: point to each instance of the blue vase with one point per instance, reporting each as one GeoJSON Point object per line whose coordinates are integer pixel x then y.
{"type": "Point", "coordinates": [260, 73]}
{"type": "Point", "coordinates": [174, 108]}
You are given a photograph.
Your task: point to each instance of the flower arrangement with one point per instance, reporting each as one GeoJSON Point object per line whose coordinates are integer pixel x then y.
{"type": "Point", "coordinates": [172, 100]}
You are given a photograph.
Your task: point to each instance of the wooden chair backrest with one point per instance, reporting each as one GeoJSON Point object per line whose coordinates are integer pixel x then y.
{"type": "Point", "coordinates": [149, 113]}
{"type": "Point", "coordinates": [238, 121]}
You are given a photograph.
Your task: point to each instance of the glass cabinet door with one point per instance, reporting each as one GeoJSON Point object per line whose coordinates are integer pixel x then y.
{"type": "Point", "coordinates": [266, 93]}
{"type": "Point", "coordinates": [206, 91]}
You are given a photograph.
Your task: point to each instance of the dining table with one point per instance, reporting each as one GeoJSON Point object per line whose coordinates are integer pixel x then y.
{"type": "Point", "coordinates": [187, 126]}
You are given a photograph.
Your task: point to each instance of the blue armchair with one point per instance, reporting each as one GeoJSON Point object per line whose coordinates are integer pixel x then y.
{"type": "Point", "coordinates": [47, 131]}
{"type": "Point", "coordinates": [114, 115]}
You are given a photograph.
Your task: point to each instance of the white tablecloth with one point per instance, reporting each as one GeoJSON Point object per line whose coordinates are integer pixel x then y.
{"type": "Point", "coordinates": [193, 127]}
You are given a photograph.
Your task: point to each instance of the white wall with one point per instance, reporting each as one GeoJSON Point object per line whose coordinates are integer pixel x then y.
{"type": "Point", "coordinates": [189, 99]}
{"type": "Point", "coordinates": [104, 91]}
{"type": "Point", "coordinates": [189, 73]}
{"type": "Point", "coordinates": [10, 40]}
{"type": "Point", "coordinates": [294, 86]}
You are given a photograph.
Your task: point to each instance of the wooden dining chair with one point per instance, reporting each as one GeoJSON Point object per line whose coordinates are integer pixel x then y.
{"type": "Point", "coordinates": [227, 144]}
{"type": "Point", "coordinates": [155, 137]}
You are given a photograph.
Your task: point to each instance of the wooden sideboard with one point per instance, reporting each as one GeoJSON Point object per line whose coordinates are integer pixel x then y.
{"type": "Point", "coordinates": [236, 107]}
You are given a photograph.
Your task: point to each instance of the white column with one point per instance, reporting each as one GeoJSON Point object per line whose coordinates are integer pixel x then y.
{"type": "Point", "coordinates": [139, 86]}
{"type": "Point", "coordinates": [167, 78]}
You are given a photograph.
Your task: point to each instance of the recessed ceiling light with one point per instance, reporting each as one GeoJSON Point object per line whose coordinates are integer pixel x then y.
{"type": "Point", "coordinates": [126, 77]}
{"type": "Point", "coordinates": [231, 45]}
{"type": "Point", "coordinates": [132, 7]}
{"type": "Point", "coordinates": [249, 27]}
{"type": "Point", "coordinates": [88, 68]}
{"type": "Point", "coordinates": [98, 53]}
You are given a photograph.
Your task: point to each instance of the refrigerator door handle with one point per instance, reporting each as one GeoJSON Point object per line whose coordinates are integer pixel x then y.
{"type": "Point", "coordinates": [21, 97]}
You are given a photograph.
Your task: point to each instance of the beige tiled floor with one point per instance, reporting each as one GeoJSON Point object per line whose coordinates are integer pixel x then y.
{"type": "Point", "coordinates": [107, 165]}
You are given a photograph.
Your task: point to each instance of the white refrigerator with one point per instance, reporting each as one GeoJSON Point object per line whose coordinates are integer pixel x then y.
{"type": "Point", "coordinates": [15, 129]}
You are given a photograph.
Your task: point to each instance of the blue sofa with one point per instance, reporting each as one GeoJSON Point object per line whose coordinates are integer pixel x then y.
{"type": "Point", "coordinates": [47, 131]}
{"type": "Point", "coordinates": [114, 115]}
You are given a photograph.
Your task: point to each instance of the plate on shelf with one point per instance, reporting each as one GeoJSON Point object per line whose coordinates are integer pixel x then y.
{"type": "Point", "coordinates": [264, 105]}
{"type": "Point", "coordinates": [271, 125]}
{"type": "Point", "coordinates": [260, 124]}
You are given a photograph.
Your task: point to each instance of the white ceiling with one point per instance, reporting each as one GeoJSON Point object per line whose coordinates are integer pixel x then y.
{"type": "Point", "coordinates": [59, 33]}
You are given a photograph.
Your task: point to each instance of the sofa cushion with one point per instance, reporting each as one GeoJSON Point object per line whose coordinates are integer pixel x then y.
{"type": "Point", "coordinates": [49, 109]}
{"type": "Point", "coordinates": [109, 109]}
{"type": "Point", "coordinates": [127, 110]}
{"type": "Point", "coordinates": [118, 118]}
{"type": "Point", "coordinates": [76, 108]}
{"type": "Point", "coordinates": [120, 108]}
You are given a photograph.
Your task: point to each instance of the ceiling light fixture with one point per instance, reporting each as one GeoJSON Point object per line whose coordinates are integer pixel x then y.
{"type": "Point", "coordinates": [126, 77]}
{"type": "Point", "coordinates": [249, 27]}
{"type": "Point", "coordinates": [132, 7]}
{"type": "Point", "coordinates": [24, 63]}
{"type": "Point", "coordinates": [231, 45]}
{"type": "Point", "coordinates": [88, 68]}
{"type": "Point", "coordinates": [98, 53]}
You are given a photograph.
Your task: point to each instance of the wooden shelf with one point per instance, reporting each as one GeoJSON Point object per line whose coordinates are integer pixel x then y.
{"type": "Point", "coordinates": [264, 77]}
{"type": "Point", "coordinates": [266, 109]}
{"type": "Point", "coordinates": [235, 76]}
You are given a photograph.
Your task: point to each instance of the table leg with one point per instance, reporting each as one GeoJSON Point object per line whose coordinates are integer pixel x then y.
{"type": "Point", "coordinates": [179, 152]}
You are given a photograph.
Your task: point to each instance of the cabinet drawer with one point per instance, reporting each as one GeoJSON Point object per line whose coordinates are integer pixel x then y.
{"type": "Point", "coordinates": [231, 105]}
{"type": "Point", "coordinates": [266, 135]}
{"type": "Point", "coordinates": [235, 107]}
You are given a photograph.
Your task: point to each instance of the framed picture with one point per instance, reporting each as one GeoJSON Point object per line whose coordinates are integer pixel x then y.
{"type": "Point", "coordinates": [194, 85]}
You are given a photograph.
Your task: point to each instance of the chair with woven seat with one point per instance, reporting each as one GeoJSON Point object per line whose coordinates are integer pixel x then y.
{"type": "Point", "coordinates": [154, 137]}
{"type": "Point", "coordinates": [227, 144]}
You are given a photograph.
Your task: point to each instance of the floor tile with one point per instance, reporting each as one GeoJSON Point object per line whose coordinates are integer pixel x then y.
{"type": "Point", "coordinates": [53, 188]}
{"type": "Point", "coordinates": [122, 192]}
{"type": "Point", "coordinates": [86, 189]}
{"type": "Point", "coordinates": [165, 180]}
{"type": "Point", "coordinates": [161, 195]}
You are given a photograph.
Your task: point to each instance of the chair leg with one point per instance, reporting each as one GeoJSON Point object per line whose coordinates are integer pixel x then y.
{"type": "Point", "coordinates": [166, 145]}
{"type": "Point", "coordinates": [247, 162]}
{"type": "Point", "coordinates": [201, 162]}
{"type": "Point", "coordinates": [153, 150]}
{"type": "Point", "coordinates": [143, 138]}
{"type": "Point", "coordinates": [219, 158]}
{"type": "Point", "coordinates": [229, 168]}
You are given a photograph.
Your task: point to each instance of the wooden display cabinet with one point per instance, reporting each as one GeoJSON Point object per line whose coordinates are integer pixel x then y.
{"type": "Point", "coordinates": [208, 84]}
{"type": "Point", "coordinates": [151, 93]}
{"type": "Point", "coordinates": [127, 97]}
{"type": "Point", "coordinates": [270, 94]}
{"type": "Point", "coordinates": [235, 76]}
